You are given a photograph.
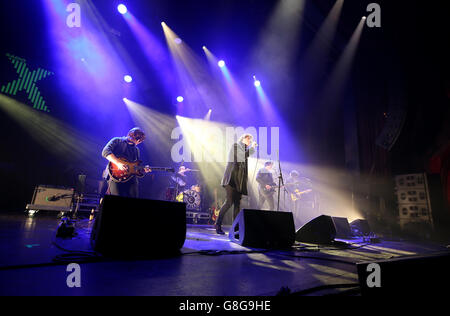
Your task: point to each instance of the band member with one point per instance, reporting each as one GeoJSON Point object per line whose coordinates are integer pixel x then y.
{"type": "Point", "coordinates": [266, 185]}
{"type": "Point", "coordinates": [179, 180]}
{"type": "Point", "coordinates": [124, 147]}
{"type": "Point", "coordinates": [235, 177]}
{"type": "Point", "coordinates": [299, 188]}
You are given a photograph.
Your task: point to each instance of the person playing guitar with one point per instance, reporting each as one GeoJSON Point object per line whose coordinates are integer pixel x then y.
{"type": "Point", "coordinates": [266, 185]}
{"type": "Point", "coordinates": [298, 187]}
{"type": "Point", "coordinates": [119, 150]}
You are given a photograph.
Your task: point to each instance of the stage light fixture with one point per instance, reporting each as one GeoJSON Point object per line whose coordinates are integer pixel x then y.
{"type": "Point", "coordinates": [256, 82]}
{"type": "Point", "coordinates": [127, 78]}
{"type": "Point", "coordinates": [180, 99]}
{"type": "Point", "coordinates": [122, 9]}
{"type": "Point", "coordinates": [221, 63]}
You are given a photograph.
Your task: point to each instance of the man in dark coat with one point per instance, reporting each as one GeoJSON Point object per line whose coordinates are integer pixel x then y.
{"type": "Point", "coordinates": [235, 177]}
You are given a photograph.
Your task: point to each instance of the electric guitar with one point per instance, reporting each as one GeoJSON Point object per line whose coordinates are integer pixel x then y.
{"type": "Point", "coordinates": [298, 194]}
{"type": "Point", "coordinates": [215, 209]}
{"type": "Point", "coordinates": [271, 190]}
{"type": "Point", "coordinates": [133, 168]}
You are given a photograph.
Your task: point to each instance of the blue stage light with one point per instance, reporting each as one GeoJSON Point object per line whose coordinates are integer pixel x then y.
{"type": "Point", "coordinates": [180, 99]}
{"type": "Point", "coordinates": [221, 63]}
{"type": "Point", "coordinates": [257, 83]}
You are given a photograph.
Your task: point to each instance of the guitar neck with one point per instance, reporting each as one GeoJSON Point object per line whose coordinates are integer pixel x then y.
{"type": "Point", "coordinates": [161, 169]}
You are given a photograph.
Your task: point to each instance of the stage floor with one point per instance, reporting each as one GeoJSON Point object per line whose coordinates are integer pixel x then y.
{"type": "Point", "coordinates": [210, 264]}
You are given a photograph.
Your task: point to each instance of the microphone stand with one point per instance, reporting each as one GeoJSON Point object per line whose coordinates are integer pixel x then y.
{"type": "Point", "coordinates": [280, 180]}
{"type": "Point", "coordinates": [254, 172]}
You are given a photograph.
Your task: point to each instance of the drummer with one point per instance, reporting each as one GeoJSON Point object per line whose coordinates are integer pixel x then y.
{"type": "Point", "coordinates": [180, 179]}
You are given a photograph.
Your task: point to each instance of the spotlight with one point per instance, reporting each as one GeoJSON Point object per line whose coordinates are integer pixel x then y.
{"type": "Point", "coordinates": [221, 63]}
{"type": "Point", "coordinates": [256, 82]}
{"type": "Point", "coordinates": [204, 47]}
{"type": "Point", "coordinates": [208, 115]}
{"type": "Point", "coordinates": [364, 18]}
{"type": "Point", "coordinates": [180, 99]}
{"type": "Point", "coordinates": [178, 41]}
{"type": "Point", "coordinates": [127, 78]}
{"type": "Point", "coordinates": [122, 9]}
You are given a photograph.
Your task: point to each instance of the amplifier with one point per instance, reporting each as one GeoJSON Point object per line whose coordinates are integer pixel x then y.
{"type": "Point", "coordinates": [51, 198]}
{"type": "Point", "coordinates": [197, 217]}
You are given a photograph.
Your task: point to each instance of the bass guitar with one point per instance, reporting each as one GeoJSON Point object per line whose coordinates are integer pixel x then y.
{"type": "Point", "coordinates": [133, 168]}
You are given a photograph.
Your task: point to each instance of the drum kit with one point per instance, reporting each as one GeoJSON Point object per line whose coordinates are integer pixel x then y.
{"type": "Point", "coordinates": [178, 192]}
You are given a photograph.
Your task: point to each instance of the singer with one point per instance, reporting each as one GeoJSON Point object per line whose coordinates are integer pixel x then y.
{"type": "Point", "coordinates": [235, 177]}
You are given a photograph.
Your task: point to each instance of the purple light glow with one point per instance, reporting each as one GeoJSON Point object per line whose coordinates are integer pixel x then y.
{"type": "Point", "coordinates": [85, 62]}
{"type": "Point", "coordinates": [154, 50]}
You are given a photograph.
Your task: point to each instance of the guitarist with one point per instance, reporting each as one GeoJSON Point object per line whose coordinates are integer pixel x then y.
{"type": "Point", "coordinates": [266, 185]}
{"type": "Point", "coordinates": [124, 147]}
{"type": "Point", "coordinates": [295, 184]}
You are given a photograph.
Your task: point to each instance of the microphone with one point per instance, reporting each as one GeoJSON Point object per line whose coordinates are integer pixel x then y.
{"type": "Point", "coordinates": [53, 198]}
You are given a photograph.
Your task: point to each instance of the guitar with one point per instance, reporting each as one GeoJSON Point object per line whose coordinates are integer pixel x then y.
{"type": "Point", "coordinates": [298, 194]}
{"type": "Point", "coordinates": [133, 169]}
{"type": "Point", "coordinates": [215, 209]}
{"type": "Point", "coordinates": [271, 190]}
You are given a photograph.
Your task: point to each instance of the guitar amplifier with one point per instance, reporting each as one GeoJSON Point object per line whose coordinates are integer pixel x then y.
{"type": "Point", "coordinates": [197, 217]}
{"type": "Point", "coordinates": [50, 198]}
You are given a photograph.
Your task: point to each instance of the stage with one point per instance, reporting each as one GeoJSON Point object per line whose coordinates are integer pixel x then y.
{"type": "Point", "coordinates": [208, 265]}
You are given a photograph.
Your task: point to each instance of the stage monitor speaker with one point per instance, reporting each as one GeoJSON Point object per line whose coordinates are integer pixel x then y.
{"type": "Point", "coordinates": [415, 276]}
{"type": "Point", "coordinates": [324, 229]}
{"type": "Point", "coordinates": [342, 226]}
{"type": "Point", "coordinates": [320, 230]}
{"type": "Point", "coordinates": [263, 229]}
{"type": "Point", "coordinates": [130, 227]}
{"type": "Point", "coordinates": [360, 227]}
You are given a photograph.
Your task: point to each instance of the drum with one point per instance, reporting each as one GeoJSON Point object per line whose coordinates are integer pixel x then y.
{"type": "Point", "coordinates": [192, 199]}
{"type": "Point", "coordinates": [170, 194]}
{"type": "Point", "coordinates": [180, 197]}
